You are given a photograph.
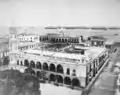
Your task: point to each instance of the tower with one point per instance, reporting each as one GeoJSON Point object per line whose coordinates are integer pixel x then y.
{"type": "Point", "coordinates": [13, 40]}
{"type": "Point", "coordinates": [13, 45]}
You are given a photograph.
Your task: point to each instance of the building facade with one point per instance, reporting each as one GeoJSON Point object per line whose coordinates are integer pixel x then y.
{"type": "Point", "coordinates": [64, 68]}
{"type": "Point", "coordinates": [28, 37]}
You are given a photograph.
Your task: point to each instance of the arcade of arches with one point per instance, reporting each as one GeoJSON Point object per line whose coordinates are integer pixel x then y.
{"type": "Point", "coordinates": [59, 39]}
{"type": "Point", "coordinates": [52, 77]}
{"type": "Point", "coordinates": [38, 65]}
{"type": "Point", "coordinates": [26, 47]}
{"type": "Point", "coordinates": [91, 71]}
{"type": "Point", "coordinates": [66, 80]}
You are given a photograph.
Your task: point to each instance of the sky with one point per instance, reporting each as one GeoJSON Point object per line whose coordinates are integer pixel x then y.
{"type": "Point", "coordinates": [60, 12]}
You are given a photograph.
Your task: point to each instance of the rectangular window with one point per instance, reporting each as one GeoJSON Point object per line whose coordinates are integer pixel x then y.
{"type": "Point", "coordinates": [68, 71]}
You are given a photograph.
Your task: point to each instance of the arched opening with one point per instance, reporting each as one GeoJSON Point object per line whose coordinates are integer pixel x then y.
{"type": "Point", "coordinates": [6, 61]}
{"type": "Point", "coordinates": [21, 63]}
{"type": "Point", "coordinates": [52, 67]}
{"type": "Point", "coordinates": [26, 62]}
{"type": "Point", "coordinates": [18, 62]}
{"type": "Point", "coordinates": [38, 65]}
{"type": "Point", "coordinates": [59, 79]}
{"type": "Point", "coordinates": [45, 66]}
{"type": "Point", "coordinates": [53, 39]}
{"type": "Point", "coordinates": [38, 74]}
{"type": "Point", "coordinates": [67, 81]}
{"type": "Point", "coordinates": [40, 39]}
{"type": "Point", "coordinates": [56, 40]}
{"type": "Point", "coordinates": [59, 69]}
{"type": "Point", "coordinates": [75, 82]}
{"type": "Point", "coordinates": [74, 72]}
{"type": "Point", "coordinates": [52, 77]}
{"type": "Point", "coordinates": [59, 40]}
{"type": "Point", "coordinates": [47, 38]}
{"type": "Point", "coordinates": [32, 72]}
{"type": "Point", "coordinates": [63, 40]}
{"type": "Point", "coordinates": [74, 40]}
{"type": "Point", "coordinates": [32, 64]}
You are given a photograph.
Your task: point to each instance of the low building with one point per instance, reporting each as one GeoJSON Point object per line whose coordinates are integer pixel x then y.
{"type": "Point", "coordinates": [23, 37]}
{"type": "Point", "coordinates": [97, 41]}
{"type": "Point", "coordinates": [109, 44]}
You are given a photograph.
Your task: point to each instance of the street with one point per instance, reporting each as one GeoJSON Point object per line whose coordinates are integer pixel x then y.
{"type": "Point", "coordinates": [106, 82]}
{"type": "Point", "coordinates": [49, 89]}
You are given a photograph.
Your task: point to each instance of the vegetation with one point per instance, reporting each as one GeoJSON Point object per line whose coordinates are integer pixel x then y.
{"type": "Point", "coordinates": [13, 82]}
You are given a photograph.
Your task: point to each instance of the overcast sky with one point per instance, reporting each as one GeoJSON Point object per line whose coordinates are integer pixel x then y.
{"type": "Point", "coordinates": [60, 12]}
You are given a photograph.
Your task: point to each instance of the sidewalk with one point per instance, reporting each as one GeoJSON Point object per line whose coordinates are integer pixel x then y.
{"type": "Point", "coordinates": [118, 84]}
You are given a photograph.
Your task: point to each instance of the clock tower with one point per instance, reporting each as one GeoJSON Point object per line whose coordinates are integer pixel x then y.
{"type": "Point", "coordinates": [13, 45]}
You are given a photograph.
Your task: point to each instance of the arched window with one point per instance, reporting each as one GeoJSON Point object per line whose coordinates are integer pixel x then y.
{"type": "Point", "coordinates": [52, 77]}
{"type": "Point", "coordinates": [26, 63]}
{"type": "Point", "coordinates": [21, 63]}
{"type": "Point", "coordinates": [63, 40]}
{"type": "Point", "coordinates": [39, 74]}
{"type": "Point", "coordinates": [59, 40]}
{"type": "Point", "coordinates": [32, 64]}
{"type": "Point", "coordinates": [74, 72]}
{"type": "Point", "coordinates": [59, 68]}
{"type": "Point", "coordinates": [52, 67]}
{"type": "Point", "coordinates": [59, 78]}
{"type": "Point", "coordinates": [75, 82]}
{"type": "Point", "coordinates": [67, 81]}
{"type": "Point", "coordinates": [6, 61]}
{"type": "Point", "coordinates": [45, 66]}
{"type": "Point", "coordinates": [38, 65]}
{"type": "Point", "coordinates": [17, 62]}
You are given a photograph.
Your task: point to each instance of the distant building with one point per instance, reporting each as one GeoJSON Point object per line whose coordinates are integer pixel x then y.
{"type": "Point", "coordinates": [97, 41]}
{"type": "Point", "coordinates": [27, 41]}
{"type": "Point", "coordinates": [23, 37]}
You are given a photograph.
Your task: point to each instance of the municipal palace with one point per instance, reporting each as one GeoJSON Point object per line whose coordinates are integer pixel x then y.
{"type": "Point", "coordinates": [66, 60]}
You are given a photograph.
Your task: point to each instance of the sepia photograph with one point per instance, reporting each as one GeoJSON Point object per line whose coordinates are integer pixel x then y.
{"type": "Point", "coordinates": [59, 47]}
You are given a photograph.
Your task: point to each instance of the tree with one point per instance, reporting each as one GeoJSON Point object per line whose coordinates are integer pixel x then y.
{"type": "Point", "coordinates": [19, 83]}
{"type": "Point", "coordinates": [29, 70]}
{"type": "Point", "coordinates": [5, 61]}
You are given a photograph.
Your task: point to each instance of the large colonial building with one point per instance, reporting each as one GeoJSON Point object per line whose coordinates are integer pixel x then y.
{"type": "Point", "coordinates": [66, 64]}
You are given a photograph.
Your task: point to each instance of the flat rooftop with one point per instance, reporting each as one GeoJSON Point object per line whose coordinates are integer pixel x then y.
{"type": "Point", "coordinates": [89, 54]}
